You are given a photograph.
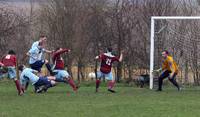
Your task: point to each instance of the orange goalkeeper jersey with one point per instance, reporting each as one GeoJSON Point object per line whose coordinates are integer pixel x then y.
{"type": "Point", "coordinates": [170, 64]}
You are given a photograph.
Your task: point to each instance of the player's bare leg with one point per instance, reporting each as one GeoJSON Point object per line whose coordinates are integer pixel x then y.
{"type": "Point", "coordinates": [111, 84]}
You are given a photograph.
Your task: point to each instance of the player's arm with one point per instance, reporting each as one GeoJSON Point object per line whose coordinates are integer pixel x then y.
{"type": "Point", "coordinates": [163, 68]}
{"type": "Point", "coordinates": [34, 71]}
{"type": "Point", "coordinates": [158, 70]}
{"type": "Point", "coordinates": [98, 57]}
{"type": "Point", "coordinates": [29, 54]}
{"type": "Point", "coordinates": [172, 67]}
{"type": "Point", "coordinates": [121, 57]}
{"type": "Point", "coordinates": [61, 51]}
{"type": "Point", "coordinates": [47, 51]}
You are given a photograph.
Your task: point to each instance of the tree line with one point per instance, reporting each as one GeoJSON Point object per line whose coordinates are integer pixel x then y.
{"type": "Point", "coordinates": [87, 27]}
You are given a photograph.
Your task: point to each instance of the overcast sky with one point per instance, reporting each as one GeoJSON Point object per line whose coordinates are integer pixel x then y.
{"type": "Point", "coordinates": [20, 0]}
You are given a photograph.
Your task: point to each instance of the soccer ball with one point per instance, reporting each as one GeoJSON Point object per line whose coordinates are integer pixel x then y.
{"type": "Point", "coordinates": [92, 75]}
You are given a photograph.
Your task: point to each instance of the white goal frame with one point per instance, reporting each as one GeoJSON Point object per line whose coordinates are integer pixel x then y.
{"type": "Point", "coordinates": [153, 19]}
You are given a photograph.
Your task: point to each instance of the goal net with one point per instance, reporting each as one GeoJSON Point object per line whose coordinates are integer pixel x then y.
{"type": "Point", "coordinates": [181, 37]}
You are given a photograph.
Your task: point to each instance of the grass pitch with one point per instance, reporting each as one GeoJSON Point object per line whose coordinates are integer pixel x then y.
{"type": "Point", "coordinates": [60, 101]}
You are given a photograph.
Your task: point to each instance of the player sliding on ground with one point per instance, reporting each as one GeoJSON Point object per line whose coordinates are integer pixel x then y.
{"type": "Point", "coordinates": [105, 70]}
{"type": "Point", "coordinates": [169, 69]}
{"type": "Point", "coordinates": [40, 83]}
{"type": "Point", "coordinates": [61, 74]}
{"type": "Point", "coordinates": [9, 62]}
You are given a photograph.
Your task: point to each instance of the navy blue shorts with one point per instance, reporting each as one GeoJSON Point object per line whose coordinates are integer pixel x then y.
{"type": "Point", "coordinates": [37, 65]}
{"type": "Point", "coordinates": [167, 74]}
{"type": "Point", "coordinates": [42, 81]}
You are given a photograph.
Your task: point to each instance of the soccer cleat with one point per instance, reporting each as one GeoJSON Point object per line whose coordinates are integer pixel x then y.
{"type": "Point", "coordinates": [22, 89]}
{"type": "Point", "coordinates": [35, 90]}
{"type": "Point", "coordinates": [96, 90]}
{"type": "Point", "coordinates": [20, 93]}
{"type": "Point", "coordinates": [40, 89]}
{"type": "Point", "coordinates": [75, 90]}
{"type": "Point", "coordinates": [112, 91]}
{"type": "Point", "coordinates": [45, 90]}
{"type": "Point", "coordinates": [179, 89]}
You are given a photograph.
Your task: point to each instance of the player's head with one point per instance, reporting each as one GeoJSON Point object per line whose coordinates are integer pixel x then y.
{"type": "Point", "coordinates": [12, 52]}
{"type": "Point", "coordinates": [43, 39]}
{"type": "Point", "coordinates": [165, 53]}
{"type": "Point", "coordinates": [21, 67]}
{"type": "Point", "coordinates": [109, 49]}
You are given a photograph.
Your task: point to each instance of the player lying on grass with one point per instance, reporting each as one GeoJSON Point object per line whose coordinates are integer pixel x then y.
{"type": "Point", "coordinates": [60, 73]}
{"type": "Point", "coordinates": [40, 83]}
{"type": "Point", "coordinates": [36, 54]}
{"type": "Point", "coordinates": [169, 69]}
{"type": "Point", "coordinates": [9, 62]}
{"type": "Point", "coordinates": [105, 70]}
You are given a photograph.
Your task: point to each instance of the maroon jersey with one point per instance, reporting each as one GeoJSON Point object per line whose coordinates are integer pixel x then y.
{"type": "Point", "coordinates": [106, 62]}
{"type": "Point", "coordinates": [1, 64]}
{"type": "Point", "coordinates": [58, 60]}
{"type": "Point", "coordinates": [9, 60]}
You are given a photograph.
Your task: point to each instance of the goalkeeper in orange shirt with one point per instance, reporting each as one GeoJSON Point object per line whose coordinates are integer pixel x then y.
{"type": "Point", "coordinates": [169, 69]}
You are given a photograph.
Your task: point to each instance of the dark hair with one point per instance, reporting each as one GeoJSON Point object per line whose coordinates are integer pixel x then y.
{"type": "Point", "coordinates": [42, 36]}
{"type": "Point", "coordinates": [166, 51]}
{"type": "Point", "coordinates": [58, 48]}
{"type": "Point", "coordinates": [109, 49]}
{"type": "Point", "coordinates": [21, 67]}
{"type": "Point", "coordinates": [11, 52]}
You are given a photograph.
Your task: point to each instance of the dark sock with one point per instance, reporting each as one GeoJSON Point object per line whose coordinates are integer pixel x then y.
{"type": "Point", "coordinates": [49, 69]}
{"type": "Point", "coordinates": [160, 82]}
{"type": "Point", "coordinates": [97, 83]}
{"type": "Point", "coordinates": [173, 81]}
{"type": "Point", "coordinates": [112, 91]}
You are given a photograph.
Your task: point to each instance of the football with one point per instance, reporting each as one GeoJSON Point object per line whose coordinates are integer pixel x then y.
{"type": "Point", "coordinates": [92, 75]}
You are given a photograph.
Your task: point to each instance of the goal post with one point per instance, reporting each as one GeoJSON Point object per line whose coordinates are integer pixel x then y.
{"type": "Point", "coordinates": [152, 35]}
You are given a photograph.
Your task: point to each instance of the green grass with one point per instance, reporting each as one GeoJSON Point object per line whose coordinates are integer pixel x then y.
{"type": "Point", "coordinates": [128, 102]}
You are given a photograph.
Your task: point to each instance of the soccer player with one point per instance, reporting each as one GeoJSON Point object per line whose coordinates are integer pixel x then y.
{"type": "Point", "coordinates": [9, 61]}
{"type": "Point", "coordinates": [61, 74]}
{"type": "Point", "coordinates": [36, 52]}
{"type": "Point", "coordinates": [40, 83]}
{"type": "Point", "coordinates": [169, 69]}
{"type": "Point", "coordinates": [105, 70]}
